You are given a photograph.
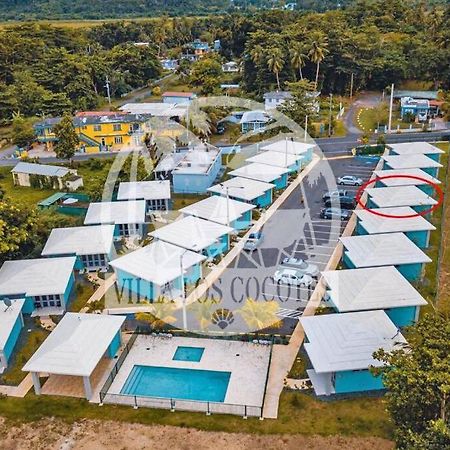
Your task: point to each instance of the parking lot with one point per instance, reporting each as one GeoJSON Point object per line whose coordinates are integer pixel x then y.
{"type": "Point", "coordinates": [295, 230]}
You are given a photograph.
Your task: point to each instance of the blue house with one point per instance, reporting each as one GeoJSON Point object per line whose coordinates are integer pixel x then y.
{"type": "Point", "coordinates": [127, 217]}
{"type": "Point", "coordinates": [246, 190]}
{"type": "Point", "coordinates": [263, 172]}
{"type": "Point", "coordinates": [305, 150]}
{"type": "Point", "coordinates": [398, 196]}
{"type": "Point", "coordinates": [157, 270]}
{"type": "Point", "coordinates": [293, 163]}
{"type": "Point", "coordinates": [222, 210]}
{"type": "Point", "coordinates": [254, 121]}
{"type": "Point", "coordinates": [389, 249]}
{"type": "Point", "coordinates": [93, 246]}
{"type": "Point", "coordinates": [198, 235]}
{"type": "Point", "coordinates": [169, 64]}
{"type": "Point", "coordinates": [416, 107]}
{"type": "Point", "coordinates": [415, 161]}
{"type": "Point", "coordinates": [417, 228]}
{"type": "Point", "coordinates": [11, 323]}
{"type": "Point", "coordinates": [374, 288]}
{"type": "Point", "coordinates": [77, 346]}
{"type": "Point", "coordinates": [45, 284]}
{"type": "Point", "coordinates": [340, 349]}
{"type": "Point", "coordinates": [403, 181]}
{"type": "Point", "coordinates": [416, 148]}
{"type": "Point", "coordinates": [197, 170]}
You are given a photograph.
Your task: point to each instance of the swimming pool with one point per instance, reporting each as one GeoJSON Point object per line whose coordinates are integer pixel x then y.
{"type": "Point", "coordinates": [193, 354]}
{"type": "Point", "coordinates": [177, 383]}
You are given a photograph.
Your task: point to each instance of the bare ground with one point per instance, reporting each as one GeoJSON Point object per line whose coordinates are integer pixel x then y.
{"type": "Point", "coordinates": [96, 435]}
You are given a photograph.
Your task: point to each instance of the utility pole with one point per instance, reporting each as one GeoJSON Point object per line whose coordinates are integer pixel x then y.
{"type": "Point", "coordinates": [108, 93]}
{"type": "Point", "coordinates": [390, 108]}
{"type": "Point", "coordinates": [351, 86]}
{"type": "Point", "coordinates": [306, 127]}
{"type": "Point", "coordinates": [329, 123]}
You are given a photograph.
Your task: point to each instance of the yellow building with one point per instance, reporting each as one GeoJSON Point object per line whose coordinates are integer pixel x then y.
{"type": "Point", "coordinates": [99, 131]}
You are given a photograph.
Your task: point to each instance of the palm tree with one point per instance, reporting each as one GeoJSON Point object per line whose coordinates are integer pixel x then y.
{"type": "Point", "coordinates": [257, 55]}
{"type": "Point", "coordinates": [317, 53]}
{"type": "Point", "coordinates": [275, 62]}
{"type": "Point", "coordinates": [298, 58]}
{"type": "Point", "coordinates": [160, 314]}
{"type": "Point", "coordinates": [259, 315]}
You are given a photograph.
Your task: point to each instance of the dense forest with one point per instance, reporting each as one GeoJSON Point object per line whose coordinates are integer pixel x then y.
{"type": "Point", "coordinates": [46, 70]}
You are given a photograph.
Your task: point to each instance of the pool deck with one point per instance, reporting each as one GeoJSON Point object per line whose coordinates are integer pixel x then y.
{"type": "Point", "coordinates": [247, 362]}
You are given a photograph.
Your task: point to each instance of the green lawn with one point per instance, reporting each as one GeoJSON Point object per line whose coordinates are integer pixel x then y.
{"type": "Point", "coordinates": [428, 288]}
{"type": "Point", "coordinates": [82, 293]}
{"type": "Point", "coordinates": [27, 344]}
{"type": "Point", "coordinates": [299, 414]}
{"type": "Point", "coordinates": [368, 121]}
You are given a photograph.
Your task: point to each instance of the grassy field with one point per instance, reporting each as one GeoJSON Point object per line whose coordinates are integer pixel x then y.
{"type": "Point", "coordinates": [367, 121]}
{"type": "Point", "coordinates": [428, 288]}
{"type": "Point", "coordinates": [299, 414]}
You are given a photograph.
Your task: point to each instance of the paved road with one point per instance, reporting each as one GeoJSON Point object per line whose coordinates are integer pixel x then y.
{"type": "Point", "coordinates": [295, 230]}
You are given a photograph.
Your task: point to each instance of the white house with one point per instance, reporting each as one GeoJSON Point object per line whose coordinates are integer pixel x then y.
{"type": "Point", "coordinates": [277, 159]}
{"type": "Point", "coordinates": [230, 67]}
{"type": "Point", "coordinates": [225, 211]}
{"type": "Point", "coordinates": [198, 235]}
{"type": "Point", "coordinates": [373, 288]}
{"type": "Point", "coordinates": [93, 245]}
{"type": "Point", "coordinates": [263, 172]}
{"type": "Point", "coordinates": [155, 193]}
{"type": "Point", "coordinates": [128, 217]}
{"type": "Point", "coordinates": [74, 350]}
{"type": "Point", "coordinates": [46, 284]}
{"type": "Point", "coordinates": [273, 100]}
{"type": "Point", "coordinates": [341, 346]}
{"type": "Point", "coordinates": [414, 161]}
{"type": "Point", "coordinates": [46, 176]}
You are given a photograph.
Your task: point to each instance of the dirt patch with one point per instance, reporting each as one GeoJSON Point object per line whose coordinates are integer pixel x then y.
{"type": "Point", "coordinates": [96, 435]}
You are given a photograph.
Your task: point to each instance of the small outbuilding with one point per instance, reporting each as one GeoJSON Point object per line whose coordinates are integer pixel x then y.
{"type": "Point", "coordinates": [416, 148]}
{"type": "Point", "coordinates": [374, 288]}
{"type": "Point", "coordinates": [73, 355]}
{"type": "Point", "coordinates": [388, 249]}
{"type": "Point", "coordinates": [277, 159]}
{"type": "Point", "coordinates": [341, 346]}
{"type": "Point", "coordinates": [303, 149]}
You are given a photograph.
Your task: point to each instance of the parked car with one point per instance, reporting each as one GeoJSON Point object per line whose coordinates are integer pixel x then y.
{"type": "Point", "coordinates": [335, 213]}
{"type": "Point", "coordinates": [302, 266]}
{"type": "Point", "coordinates": [350, 180]}
{"type": "Point", "coordinates": [344, 202]}
{"type": "Point", "coordinates": [292, 277]}
{"type": "Point", "coordinates": [334, 194]}
{"type": "Point", "coordinates": [253, 241]}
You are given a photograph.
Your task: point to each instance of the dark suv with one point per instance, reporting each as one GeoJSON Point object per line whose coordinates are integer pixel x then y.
{"type": "Point", "coordinates": [344, 202]}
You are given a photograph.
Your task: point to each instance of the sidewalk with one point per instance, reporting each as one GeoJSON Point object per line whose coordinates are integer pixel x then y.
{"type": "Point", "coordinates": [17, 391]}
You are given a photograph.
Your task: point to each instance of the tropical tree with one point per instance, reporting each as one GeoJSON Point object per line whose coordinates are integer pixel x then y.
{"type": "Point", "coordinates": [317, 52]}
{"type": "Point", "coordinates": [302, 103]}
{"type": "Point", "coordinates": [159, 314]}
{"type": "Point", "coordinates": [257, 55]}
{"type": "Point", "coordinates": [22, 131]}
{"type": "Point", "coordinates": [418, 383]}
{"type": "Point", "coordinates": [67, 138]}
{"type": "Point", "coordinates": [275, 62]}
{"type": "Point", "coordinates": [259, 314]}
{"type": "Point", "coordinates": [298, 57]}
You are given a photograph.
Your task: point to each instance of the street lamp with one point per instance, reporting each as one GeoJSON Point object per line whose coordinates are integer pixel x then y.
{"type": "Point", "coordinates": [227, 189]}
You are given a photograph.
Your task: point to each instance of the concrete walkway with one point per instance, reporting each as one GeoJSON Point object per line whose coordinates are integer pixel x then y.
{"type": "Point", "coordinates": [104, 285]}
{"type": "Point", "coordinates": [17, 391]}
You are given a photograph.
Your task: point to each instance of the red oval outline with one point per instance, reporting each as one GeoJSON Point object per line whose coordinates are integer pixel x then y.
{"type": "Point", "coordinates": [436, 188]}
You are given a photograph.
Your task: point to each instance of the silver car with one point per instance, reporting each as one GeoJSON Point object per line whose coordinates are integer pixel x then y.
{"type": "Point", "coordinates": [292, 277]}
{"type": "Point", "coordinates": [302, 266]}
{"type": "Point", "coordinates": [350, 180]}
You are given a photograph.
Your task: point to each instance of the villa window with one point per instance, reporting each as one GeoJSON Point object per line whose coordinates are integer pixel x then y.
{"type": "Point", "coordinates": [97, 128]}
{"type": "Point", "coordinates": [117, 127]}
{"type": "Point", "coordinates": [118, 140]}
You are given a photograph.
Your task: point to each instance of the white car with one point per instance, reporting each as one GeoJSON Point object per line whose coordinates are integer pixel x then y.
{"type": "Point", "coordinates": [302, 266]}
{"type": "Point", "coordinates": [292, 277]}
{"type": "Point", "coordinates": [350, 180]}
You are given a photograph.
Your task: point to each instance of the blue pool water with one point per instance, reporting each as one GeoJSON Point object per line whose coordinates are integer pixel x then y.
{"type": "Point", "coordinates": [172, 382]}
{"type": "Point", "coordinates": [193, 354]}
